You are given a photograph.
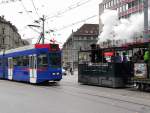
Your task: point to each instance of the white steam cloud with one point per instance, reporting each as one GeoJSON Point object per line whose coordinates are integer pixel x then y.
{"type": "Point", "coordinates": [123, 29]}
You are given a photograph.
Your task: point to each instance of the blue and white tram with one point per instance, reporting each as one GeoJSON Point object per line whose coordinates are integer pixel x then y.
{"type": "Point", "coordinates": [34, 64]}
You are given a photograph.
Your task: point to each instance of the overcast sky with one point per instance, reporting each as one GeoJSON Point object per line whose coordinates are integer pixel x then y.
{"type": "Point", "coordinates": [16, 12]}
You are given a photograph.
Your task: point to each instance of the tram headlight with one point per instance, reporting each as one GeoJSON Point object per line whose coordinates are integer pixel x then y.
{"type": "Point", "coordinates": [56, 73]}
{"type": "Point", "coordinates": [53, 73]}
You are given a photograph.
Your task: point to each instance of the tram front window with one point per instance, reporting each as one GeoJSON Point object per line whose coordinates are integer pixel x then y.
{"type": "Point", "coordinates": [43, 60]}
{"type": "Point", "coordinates": [55, 60]}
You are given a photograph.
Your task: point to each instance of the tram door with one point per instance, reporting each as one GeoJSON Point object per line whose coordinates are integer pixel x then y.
{"type": "Point", "coordinates": [33, 68]}
{"type": "Point", "coordinates": [10, 68]}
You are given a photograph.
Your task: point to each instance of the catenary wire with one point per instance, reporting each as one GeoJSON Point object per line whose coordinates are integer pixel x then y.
{"type": "Point", "coordinates": [71, 7]}
{"type": "Point", "coordinates": [35, 8]}
{"type": "Point", "coordinates": [26, 9]}
{"type": "Point", "coordinates": [75, 23]}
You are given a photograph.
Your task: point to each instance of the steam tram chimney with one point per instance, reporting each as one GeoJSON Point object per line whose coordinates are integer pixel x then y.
{"type": "Point", "coordinates": [145, 20]}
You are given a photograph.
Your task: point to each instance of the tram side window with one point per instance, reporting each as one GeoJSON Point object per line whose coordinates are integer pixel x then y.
{"type": "Point", "coordinates": [42, 60]}
{"type": "Point", "coordinates": [21, 61]}
{"type": "Point", "coordinates": [25, 61]}
{"type": "Point", "coordinates": [0, 62]}
{"type": "Point", "coordinates": [6, 61]}
{"type": "Point", "coordinates": [15, 61]}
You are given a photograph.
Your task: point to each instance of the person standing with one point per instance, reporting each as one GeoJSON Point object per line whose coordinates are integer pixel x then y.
{"type": "Point", "coordinates": [124, 58]}
{"type": "Point", "coordinates": [71, 71]}
{"type": "Point", "coordinates": [117, 58]}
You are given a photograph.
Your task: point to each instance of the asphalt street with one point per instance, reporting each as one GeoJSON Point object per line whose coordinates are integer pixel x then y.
{"type": "Point", "coordinates": [68, 96]}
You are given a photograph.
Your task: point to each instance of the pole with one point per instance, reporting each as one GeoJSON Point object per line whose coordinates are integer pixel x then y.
{"type": "Point", "coordinates": [43, 37]}
{"type": "Point", "coordinates": [145, 20]}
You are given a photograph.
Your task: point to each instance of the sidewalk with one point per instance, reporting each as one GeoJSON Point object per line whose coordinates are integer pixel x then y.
{"type": "Point", "coordinates": [71, 78]}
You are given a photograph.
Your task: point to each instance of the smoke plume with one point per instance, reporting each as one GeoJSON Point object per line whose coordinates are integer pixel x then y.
{"type": "Point", "coordinates": [123, 29]}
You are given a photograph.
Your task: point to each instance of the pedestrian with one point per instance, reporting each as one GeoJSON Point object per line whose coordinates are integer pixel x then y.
{"type": "Point", "coordinates": [71, 71]}
{"type": "Point", "coordinates": [117, 58]}
{"type": "Point", "coordinates": [146, 56]}
{"type": "Point", "coordinates": [124, 60]}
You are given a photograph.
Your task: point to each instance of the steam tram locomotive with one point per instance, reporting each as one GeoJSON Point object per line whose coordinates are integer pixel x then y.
{"type": "Point", "coordinates": [34, 63]}
{"type": "Point", "coordinates": [96, 66]}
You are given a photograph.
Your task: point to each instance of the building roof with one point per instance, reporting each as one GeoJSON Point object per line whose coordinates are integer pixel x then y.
{"type": "Point", "coordinates": [87, 29]}
{"type": "Point", "coordinates": [3, 20]}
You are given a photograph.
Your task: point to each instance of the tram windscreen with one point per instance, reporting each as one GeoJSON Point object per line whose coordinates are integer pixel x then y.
{"type": "Point", "coordinates": [42, 60]}
{"type": "Point", "coordinates": [55, 60]}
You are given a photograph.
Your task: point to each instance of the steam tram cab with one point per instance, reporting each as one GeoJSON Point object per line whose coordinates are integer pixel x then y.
{"type": "Point", "coordinates": [97, 68]}
{"type": "Point", "coordinates": [105, 72]}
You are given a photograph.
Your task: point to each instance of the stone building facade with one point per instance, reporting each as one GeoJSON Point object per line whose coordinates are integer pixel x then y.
{"type": "Point", "coordinates": [9, 36]}
{"type": "Point", "coordinates": [125, 8]}
{"type": "Point", "coordinates": [81, 39]}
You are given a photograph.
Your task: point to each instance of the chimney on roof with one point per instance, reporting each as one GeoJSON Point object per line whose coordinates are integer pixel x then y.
{"type": "Point", "coordinates": [2, 16]}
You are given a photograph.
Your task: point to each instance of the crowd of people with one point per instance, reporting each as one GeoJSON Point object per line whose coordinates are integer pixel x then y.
{"type": "Point", "coordinates": [141, 55]}
{"type": "Point", "coordinates": [118, 59]}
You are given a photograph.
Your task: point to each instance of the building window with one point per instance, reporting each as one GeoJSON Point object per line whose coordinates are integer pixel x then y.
{"type": "Point", "coordinates": [115, 2]}
{"type": "Point", "coordinates": [91, 32]}
{"type": "Point", "coordinates": [85, 38]}
{"type": "Point", "coordinates": [119, 9]}
{"type": "Point", "coordinates": [86, 31]}
{"type": "Point", "coordinates": [129, 5]}
{"type": "Point", "coordinates": [106, 5]}
{"type": "Point", "coordinates": [136, 2]}
{"type": "Point", "coordinates": [140, 1]}
{"type": "Point", "coordinates": [123, 8]}
{"type": "Point", "coordinates": [112, 3]}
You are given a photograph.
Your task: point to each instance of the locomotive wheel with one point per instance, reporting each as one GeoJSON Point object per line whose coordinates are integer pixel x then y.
{"type": "Point", "coordinates": [138, 86]}
{"type": "Point", "coordinates": [141, 86]}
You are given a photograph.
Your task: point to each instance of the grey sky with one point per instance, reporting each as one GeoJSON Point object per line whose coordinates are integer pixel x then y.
{"type": "Point", "coordinates": [16, 13]}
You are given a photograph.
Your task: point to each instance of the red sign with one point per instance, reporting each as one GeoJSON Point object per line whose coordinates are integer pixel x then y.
{"type": "Point", "coordinates": [108, 54]}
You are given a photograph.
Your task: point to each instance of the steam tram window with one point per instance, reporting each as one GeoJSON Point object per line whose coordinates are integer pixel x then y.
{"type": "Point", "coordinates": [42, 60]}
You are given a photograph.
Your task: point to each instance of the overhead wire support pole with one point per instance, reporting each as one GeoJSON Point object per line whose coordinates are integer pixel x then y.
{"type": "Point", "coordinates": [43, 32]}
